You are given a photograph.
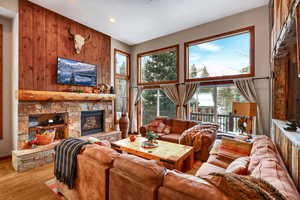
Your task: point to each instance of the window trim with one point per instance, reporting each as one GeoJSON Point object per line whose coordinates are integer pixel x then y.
{"type": "Point", "coordinates": [250, 29]}
{"type": "Point", "coordinates": [174, 47]}
{"type": "Point", "coordinates": [123, 77]}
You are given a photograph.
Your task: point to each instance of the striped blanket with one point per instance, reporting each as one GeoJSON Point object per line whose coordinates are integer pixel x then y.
{"type": "Point", "coordinates": [66, 160]}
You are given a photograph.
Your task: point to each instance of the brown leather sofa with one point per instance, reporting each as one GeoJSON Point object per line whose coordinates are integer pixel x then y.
{"type": "Point", "coordinates": [265, 163]}
{"type": "Point", "coordinates": [105, 174]}
{"type": "Point", "coordinates": [177, 129]}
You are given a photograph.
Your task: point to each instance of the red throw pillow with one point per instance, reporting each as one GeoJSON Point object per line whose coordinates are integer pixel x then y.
{"type": "Point", "coordinates": [239, 166]}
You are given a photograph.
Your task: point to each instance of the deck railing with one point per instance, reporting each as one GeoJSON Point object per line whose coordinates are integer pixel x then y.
{"type": "Point", "coordinates": [228, 123]}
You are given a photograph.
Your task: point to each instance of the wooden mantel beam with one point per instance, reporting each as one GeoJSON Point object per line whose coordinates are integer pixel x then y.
{"type": "Point", "coordinates": [34, 95]}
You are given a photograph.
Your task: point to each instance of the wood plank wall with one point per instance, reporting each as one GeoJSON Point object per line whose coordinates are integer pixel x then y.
{"type": "Point", "coordinates": [1, 81]}
{"type": "Point", "coordinates": [280, 88]}
{"type": "Point", "coordinates": [44, 37]}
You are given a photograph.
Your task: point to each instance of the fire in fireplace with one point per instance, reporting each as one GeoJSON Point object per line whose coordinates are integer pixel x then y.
{"type": "Point", "coordinates": [92, 122]}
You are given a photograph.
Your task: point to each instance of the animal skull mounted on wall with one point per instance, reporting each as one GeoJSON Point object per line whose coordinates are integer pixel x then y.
{"type": "Point", "coordinates": [79, 41]}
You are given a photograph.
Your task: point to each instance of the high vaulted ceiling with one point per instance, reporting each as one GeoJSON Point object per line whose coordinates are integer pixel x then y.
{"type": "Point", "coordinates": [137, 21]}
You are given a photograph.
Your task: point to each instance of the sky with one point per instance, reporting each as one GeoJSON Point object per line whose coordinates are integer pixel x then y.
{"type": "Point", "coordinates": [225, 56]}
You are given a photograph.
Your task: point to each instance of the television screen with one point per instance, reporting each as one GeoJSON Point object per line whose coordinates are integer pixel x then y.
{"type": "Point", "coordinates": [76, 73]}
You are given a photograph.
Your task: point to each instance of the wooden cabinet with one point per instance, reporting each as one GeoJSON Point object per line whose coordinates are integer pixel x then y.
{"type": "Point", "coordinates": [288, 145]}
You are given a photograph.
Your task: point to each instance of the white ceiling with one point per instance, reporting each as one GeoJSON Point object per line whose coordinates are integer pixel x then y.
{"type": "Point", "coordinates": [141, 20]}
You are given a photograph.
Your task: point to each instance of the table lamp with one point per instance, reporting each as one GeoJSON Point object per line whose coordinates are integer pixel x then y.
{"type": "Point", "coordinates": [247, 110]}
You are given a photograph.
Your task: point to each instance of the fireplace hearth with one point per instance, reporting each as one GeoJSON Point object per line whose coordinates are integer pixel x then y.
{"type": "Point", "coordinates": [92, 122]}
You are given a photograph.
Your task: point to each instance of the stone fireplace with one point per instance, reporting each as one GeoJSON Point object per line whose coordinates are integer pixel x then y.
{"type": "Point", "coordinates": [81, 118]}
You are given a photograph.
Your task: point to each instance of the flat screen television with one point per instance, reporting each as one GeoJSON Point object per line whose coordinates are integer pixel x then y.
{"type": "Point", "coordinates": [72, 72]}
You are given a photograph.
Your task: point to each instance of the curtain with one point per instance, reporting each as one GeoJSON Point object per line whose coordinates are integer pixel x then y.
{"type": "Point", "coordinates": [247, 89]}
{"type": "Point", "coordinates": [137, 97]}
{"type": "Point", "coordinates": [172, 92]}
{"type": "Point", "coordinates": [180, 95]}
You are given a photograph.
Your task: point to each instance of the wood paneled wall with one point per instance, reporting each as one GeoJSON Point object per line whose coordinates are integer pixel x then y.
{"type": "Point", "coordinates": [280, 88]}
{"type": "Point", "coordinates": [1, 81]}
{"type": "Point", "coordinates": [44, 37]}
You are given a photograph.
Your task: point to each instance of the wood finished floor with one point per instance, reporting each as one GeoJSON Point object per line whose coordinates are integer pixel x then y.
{"type": "Point", "coordinates": [29, 185]}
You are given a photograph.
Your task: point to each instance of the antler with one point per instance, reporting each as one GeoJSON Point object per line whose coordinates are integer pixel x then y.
{"type": "Point", "coordinates": [87, 38]}
{"type": "Point", "coordinates": [70, 32]}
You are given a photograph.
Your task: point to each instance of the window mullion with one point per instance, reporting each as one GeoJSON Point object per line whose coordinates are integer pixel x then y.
{"type": "Point", "coordinates": [157, 110]}
{"type": "Point", "coordinates": [215, 104]}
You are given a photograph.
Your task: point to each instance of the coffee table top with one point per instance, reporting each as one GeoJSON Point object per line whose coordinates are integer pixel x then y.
{"type": "Point", "coordinates": [165, 150]}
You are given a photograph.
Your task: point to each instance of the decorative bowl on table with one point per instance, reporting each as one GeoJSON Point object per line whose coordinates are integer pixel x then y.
{"type": "Point", "coordinates": [149, 145]}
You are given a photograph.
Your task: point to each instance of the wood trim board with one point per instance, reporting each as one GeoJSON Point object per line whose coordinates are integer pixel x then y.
{"type": "Point", "coordinates": [250, 29]}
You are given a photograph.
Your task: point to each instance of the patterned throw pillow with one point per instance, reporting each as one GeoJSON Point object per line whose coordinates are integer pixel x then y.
{"type": "Point", "coordinates": [152, 126]}
{"type": "Point", "coordinates": [167, 129]}
{"type": "Point", "coordinates": [233, 148]}
{"type": "Point", "coordinates": [161, 126]}
{"type": "Point", "coordinates": [239, 166]}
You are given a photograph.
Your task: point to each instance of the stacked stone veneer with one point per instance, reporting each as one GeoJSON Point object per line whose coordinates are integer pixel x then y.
{"type": "Point", "coordinates": [72, 109]}
{"type": "Point", "coordinates": [27, 159]}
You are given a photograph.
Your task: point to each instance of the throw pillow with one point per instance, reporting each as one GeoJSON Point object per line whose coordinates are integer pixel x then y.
{"type": "Point", "coordinates": [152, 126]}
{"type": "Point", "coordinates": [233, 148]}
{"type": "Point", "coordinates": [160, 127]}
{"type": "Point", "coordinates": [167, 129]}
{"type": "Point", "coordinates": [239, 166]}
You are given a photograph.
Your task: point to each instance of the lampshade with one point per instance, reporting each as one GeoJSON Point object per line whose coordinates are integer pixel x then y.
{"type": "Point", "coordinates": [244, 109]}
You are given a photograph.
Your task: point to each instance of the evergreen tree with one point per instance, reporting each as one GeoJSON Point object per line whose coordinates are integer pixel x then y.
{"type": "Point", "coordinates": [123, 68]}
{"type": "Point", "coordinates": [193, 71]}
{"type": "Point", "coordinates": [204, 72]}
{"type": "Point", "coordinates": [157, 68]}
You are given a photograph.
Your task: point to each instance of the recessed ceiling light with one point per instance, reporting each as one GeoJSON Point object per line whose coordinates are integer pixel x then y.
{"type": "Point", "coordinates": [112, 20]}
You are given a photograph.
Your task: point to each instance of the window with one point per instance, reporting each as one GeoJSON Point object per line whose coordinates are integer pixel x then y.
{"type": "Point", "coordinates": [122, 67]}
{"type": "Point", "coordinates": [214, 104]}
{"type": "Point", "coordinates": [225, 56]}
{"type": "Point", "coordinates": [156, 103]}
{"type": "Point", "coordinates": [159, 66]}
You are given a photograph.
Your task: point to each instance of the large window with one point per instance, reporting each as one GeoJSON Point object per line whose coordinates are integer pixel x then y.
{"type": "Point", "coordinates": [214, 104]}
{"type": "Point", "coordinates": [225, 56]}
{"type": "Point", "coordinates": [159, 66]}
{"type": "Point", "coordinates": [122, 68]}
{"type": "Point", "coordinates": [156, 103]}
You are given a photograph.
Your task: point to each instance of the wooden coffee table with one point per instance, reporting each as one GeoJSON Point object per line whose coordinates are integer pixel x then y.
{"type": "Point", "coordinates": [170, 155]}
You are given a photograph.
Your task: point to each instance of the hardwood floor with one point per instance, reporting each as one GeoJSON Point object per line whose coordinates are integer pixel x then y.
{"type": "Point", "coordinates": [29, 185]}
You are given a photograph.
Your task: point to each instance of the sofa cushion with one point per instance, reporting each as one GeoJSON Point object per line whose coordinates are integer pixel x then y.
{"type": "Point", "coordinates": [272, 172]}
{"type": "Point", "coordinates": [207, 168]}
{"type": "Point", "coordinates": [263, 149]}
{"type": "Point", "coordinates": [178, 126]}
{"type": "Point", "coordinates": [144, 170]}
{"type": "Point", "coordinates": [234, 148]}
{"type": "Point", "coordinates": [101, 154]}
{"type": "Point", "coordinates": [191, 186]}
{"type": "Point", "coordinates": [239, 166]}
{"type": "Point", "coordinates": [173, 137]}
{"type": "Point", "coordinates": [261, 142]}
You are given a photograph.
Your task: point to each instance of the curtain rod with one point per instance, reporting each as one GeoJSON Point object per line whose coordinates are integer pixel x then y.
{"type": "Point", "coordinates": [255, 78]}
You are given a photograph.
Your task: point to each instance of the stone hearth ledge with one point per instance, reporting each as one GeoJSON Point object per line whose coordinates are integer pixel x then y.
{"type": "Point", "coordinates": [23, 160]}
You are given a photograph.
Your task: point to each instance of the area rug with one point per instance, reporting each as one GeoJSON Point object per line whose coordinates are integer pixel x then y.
{"type": "Point", "coordinates": [51, 184]}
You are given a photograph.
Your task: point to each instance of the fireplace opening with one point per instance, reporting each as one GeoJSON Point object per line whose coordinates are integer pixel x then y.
{"type": "Point", "coordinates": [92, 122]}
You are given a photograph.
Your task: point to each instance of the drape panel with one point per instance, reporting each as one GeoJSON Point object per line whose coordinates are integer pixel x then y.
{"type": "Point", "coordinates": [247, 89]}
{"type": "Point", "coordinates": [137, 97]}
{"type": "Point", "coordinates": [180, 95]}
